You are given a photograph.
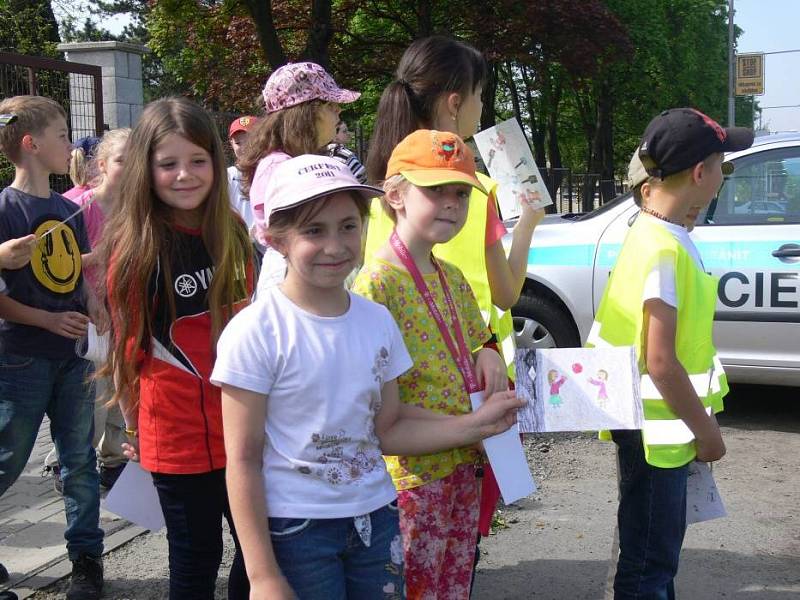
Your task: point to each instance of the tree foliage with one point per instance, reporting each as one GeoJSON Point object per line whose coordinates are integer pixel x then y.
{"type": "Point", "coordinates": [582, 76]}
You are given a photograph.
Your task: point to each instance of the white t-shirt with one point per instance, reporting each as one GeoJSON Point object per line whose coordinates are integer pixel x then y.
{"type": "Point", "coordinates": [240, 202]}
{"type": "Point", "coordinates": [660, 283]}
{"type": "Point", "coordinates": [322, 377]}
{"type": "Point", "coordinates": [273, 270]}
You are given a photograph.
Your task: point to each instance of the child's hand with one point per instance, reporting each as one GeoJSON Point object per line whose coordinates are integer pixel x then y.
{"type": "Point", "coordinates": [491, 371]}
{"type": "Point", "coordinates": [16, 253]}
{"type": "Point", "coordinates": [533, 215]}
{"type": "Point", "coordinates": [100, 318]}
{"type": "Point", "coordinates": [497, 413]}
{"type": "Point", "coordinates": [69, 324]}
{"type": "Point", "coordinates": [131, 449]}
{"type": "Point", "coordinates": [710, 446]}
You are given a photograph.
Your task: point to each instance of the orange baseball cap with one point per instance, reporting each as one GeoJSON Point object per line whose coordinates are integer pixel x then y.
{"type": "Point", "coordinates": [427, 158]}
{"type": "Point", "coordinates": [241, 124]}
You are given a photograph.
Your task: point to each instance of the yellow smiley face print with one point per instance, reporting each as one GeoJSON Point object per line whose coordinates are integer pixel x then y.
{"type": "Point", "coordinates": [56, 261]}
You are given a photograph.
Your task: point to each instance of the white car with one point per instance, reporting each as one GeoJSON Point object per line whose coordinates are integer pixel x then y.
{"type": "Point", "coordinates": [755, 253]}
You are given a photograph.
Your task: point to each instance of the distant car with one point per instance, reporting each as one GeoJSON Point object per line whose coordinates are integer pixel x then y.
{"type": "Point", "coordinates": [755, 253]}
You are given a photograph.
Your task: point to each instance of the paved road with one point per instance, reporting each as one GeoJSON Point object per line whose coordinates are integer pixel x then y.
{"type": "Point", "coordinates": [557, 544]}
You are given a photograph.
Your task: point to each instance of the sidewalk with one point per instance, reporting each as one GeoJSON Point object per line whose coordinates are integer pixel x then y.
{"type": "Point", "coordinates": [32, 523]}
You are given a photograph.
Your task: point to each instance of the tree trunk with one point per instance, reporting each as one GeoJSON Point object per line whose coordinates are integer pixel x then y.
{"type": "Point", "coordinates": [261, 13]}
{"type": "Point", "coordinates": [320, 34]}
{"type": "Point", "coordinates": [537, 125]}
{"type": "Point", "coordinates": [489, 114]}
{"type": "Point", "coordinates": [424, 19]}
{"type": "Point", "coordinates": [603, 146]}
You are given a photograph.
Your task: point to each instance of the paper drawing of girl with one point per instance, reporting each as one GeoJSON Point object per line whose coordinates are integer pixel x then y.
{"type": "Point", "coordinates": [600, 382]}
{"type": "Point", "coordinates": [555, 386]}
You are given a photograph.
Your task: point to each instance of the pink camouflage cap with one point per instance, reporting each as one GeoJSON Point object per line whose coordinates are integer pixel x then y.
{"type": "Point", "coordinates": [296, 83]}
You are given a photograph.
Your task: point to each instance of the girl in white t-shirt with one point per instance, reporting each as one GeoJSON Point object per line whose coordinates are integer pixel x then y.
{"type": "Point", "coordinates": [310, 402]}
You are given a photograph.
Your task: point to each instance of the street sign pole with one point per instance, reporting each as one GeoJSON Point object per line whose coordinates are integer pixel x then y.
{"type": "Point", "coordinates": [731, 68]}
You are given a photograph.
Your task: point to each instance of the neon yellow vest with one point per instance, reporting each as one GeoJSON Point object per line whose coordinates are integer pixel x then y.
{"type": "Point", "coordinates": [668, 442]}
{"type": "Point", "coordinates": [467, 251]}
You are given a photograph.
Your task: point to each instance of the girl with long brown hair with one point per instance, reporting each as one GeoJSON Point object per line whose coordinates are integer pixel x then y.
{"type": "Point", "coordinates": [301, 104]}
{"type": "Point", "coordinates": [179, 267]}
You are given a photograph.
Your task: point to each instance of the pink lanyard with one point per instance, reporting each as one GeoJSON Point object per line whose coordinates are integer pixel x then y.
{"type": "Point", "coordinates": [461, 354]}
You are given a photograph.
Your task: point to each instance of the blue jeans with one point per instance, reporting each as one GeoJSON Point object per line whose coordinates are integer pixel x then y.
{"type": "Point", "coordinates": [652, 523]}
{"type": "Point", "coordinates": [193, 507]}
{"type": "Point", "coordinates": [325, 559]}
{"type": "Point", "coordinates": [31, 387]}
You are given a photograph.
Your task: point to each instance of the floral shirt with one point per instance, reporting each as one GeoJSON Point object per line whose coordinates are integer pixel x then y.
{"type": "Point", "coordinates": [434, 382]}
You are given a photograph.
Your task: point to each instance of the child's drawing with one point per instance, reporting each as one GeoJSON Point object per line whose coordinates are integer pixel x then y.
{"type": "Point", "coordinates": [508, 158]}
{"type": "Point", "coordinates": [578, 389]}
{"type": "Point", "coordinates": [555, 386]}
{"type": "Point", "coordinates": [600, 382]}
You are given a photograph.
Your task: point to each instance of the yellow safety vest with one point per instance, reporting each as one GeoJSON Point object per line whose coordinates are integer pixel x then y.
{"type": "Point", "coordinates": [467, 251]}
{"type": "Point", "coordinates": [668, 442]}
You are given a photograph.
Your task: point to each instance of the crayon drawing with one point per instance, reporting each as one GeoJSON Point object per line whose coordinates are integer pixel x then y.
{"type": "Point", "coordinates": [508, 159]}
{"type": "Point", "coordinates": [578, 389]}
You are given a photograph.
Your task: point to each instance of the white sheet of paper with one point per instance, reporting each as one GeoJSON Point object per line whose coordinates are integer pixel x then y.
{"type": "Point", "coordinates": [578, 389]}
{"type": "Point", "coordinates": [703, 501]}
{"type": "Point", "coordinates": [134, 498]}
{"type": "Point", "coordinates": [508, 158]}
{"type": "Point", "coordinates": [93, 346]}
{"type": "Point", "coordinates": [507, 457]}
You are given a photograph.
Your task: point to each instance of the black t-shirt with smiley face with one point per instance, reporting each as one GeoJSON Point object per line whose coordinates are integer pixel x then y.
{"type": "Point", "coordinates": [52, 281]}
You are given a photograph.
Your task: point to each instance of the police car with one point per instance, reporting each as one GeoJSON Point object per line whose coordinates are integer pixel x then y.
{"type": "Point", "coordinates": [749, 237]}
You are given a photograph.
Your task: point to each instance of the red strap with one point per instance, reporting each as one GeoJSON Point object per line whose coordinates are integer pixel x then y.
{"type": "Point", "coordinates": [461, 355]}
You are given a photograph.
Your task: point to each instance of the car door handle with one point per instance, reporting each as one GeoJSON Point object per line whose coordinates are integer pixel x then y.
{"type": "Point", "coordinates": [787, 252]}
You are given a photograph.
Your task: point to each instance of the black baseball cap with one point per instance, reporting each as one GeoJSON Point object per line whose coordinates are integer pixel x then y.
{"type": "Point", "coordinates": [679, 138]}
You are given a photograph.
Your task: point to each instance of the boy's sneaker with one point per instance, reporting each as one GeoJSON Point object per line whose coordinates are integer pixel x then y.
{"type": "Point", "coordinates": [6, 594]}
{"type": "Point", "coordinates": [58, 483]}
{"type": "Point", "coordinates": [109, 475]}
{"type": "Point", "coordinates": [87, 578]}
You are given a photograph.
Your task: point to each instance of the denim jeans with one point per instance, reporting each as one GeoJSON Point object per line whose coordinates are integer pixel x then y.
{"type": "Point", "coordinates": [325, 559]}
{"type": "Point", "coordinates": [31, 387]}
{"type": "Point", "coordinates": [652, 523]}
{"type": "Point", "coordinates": [193, 507]}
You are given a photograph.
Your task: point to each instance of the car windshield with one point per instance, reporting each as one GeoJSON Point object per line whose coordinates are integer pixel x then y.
{"type": "Point", "coordinates": [605, 207]}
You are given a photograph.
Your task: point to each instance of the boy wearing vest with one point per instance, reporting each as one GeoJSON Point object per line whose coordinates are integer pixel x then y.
{"type": "Point", "coordinates": [660, 300]}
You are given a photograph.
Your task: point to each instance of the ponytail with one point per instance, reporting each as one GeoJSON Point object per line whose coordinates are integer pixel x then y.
{"type": "Point", "coordinates": [396, 100]}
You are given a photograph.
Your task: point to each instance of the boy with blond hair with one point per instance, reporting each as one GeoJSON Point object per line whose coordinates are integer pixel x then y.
{"type": "Point", "coordinates": [660, 300]}
{"type": "Point", "coordinates": [43, 311]}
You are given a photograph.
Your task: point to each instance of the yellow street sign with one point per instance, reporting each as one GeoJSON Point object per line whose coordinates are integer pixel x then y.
{"type": "Point", "coordinates": [750, 74]}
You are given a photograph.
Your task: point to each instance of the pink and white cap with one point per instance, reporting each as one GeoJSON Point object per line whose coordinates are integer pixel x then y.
{"type": "Point", "coordinates": [296, 83]}
{"type": "Point", "coordinates": [310, 177]}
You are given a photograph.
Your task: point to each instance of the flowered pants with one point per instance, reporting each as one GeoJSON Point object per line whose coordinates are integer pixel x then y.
{"type": "Point", "coordinates": [439, 524]}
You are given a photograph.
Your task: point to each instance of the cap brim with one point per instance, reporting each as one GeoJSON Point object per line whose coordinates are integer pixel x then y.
{"type": "Point", "coordinates": [738, 138]}
{"type": "Point", "coordinates": [431, 177]}
{"type": "Point", "coordinates": [342, 96]}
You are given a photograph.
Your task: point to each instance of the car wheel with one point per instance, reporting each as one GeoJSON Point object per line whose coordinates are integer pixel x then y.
{"type": "Point", "coordinates": [540, 323]}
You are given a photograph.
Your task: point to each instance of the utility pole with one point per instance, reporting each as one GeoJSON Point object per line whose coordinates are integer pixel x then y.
{"type": "Point", "coordinates": [731, 68]}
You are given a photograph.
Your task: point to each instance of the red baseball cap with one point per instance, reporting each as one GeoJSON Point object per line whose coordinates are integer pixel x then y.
{"type": "Point", "coordinates": [241, 124]}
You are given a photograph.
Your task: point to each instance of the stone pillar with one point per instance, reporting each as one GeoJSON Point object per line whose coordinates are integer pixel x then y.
{"type": "Point", "coordinates": [121, 64]}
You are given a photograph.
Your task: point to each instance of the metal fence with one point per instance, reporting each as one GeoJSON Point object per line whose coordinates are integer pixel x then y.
{"type": "Point", "coordinates": [76, 87]}
{"type": "Point", "coordinates": [580, 192]}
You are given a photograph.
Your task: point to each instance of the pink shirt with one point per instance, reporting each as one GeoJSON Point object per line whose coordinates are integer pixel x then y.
{"type": "Point", "coordinates": [95, 221]}
{"type": "Point", "coordinates": [259, 188]}
{"type": "Point", "coordinates": [76, 191]}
